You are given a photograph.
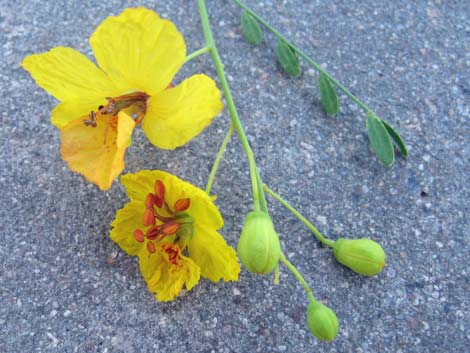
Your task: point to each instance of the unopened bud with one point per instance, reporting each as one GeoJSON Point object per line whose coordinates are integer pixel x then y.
{"type": "Point", "coordinates": [322, 321]}
{"type": "Point", "coordinates": [363, 256]}
{"type": "Point", "coordinates": [259, 248]}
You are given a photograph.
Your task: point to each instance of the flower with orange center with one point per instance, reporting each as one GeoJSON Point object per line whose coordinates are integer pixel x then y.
{"type": "Point", "coordinates": [172, 226]}
{"type": "Point", "coordinates": [138, 54]}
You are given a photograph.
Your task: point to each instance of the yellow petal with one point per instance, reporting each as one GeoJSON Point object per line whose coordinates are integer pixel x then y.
{"type": "Point", "coordinates": [68, 75]}
{"type": "Point", "coordinates": [176, 115]}
{"type": "Point", "coordinates": [128, 219]}
{"type": "Point", "coordinates": [166, 278]}
{"type": "Point", "coordinates": [97, 152]}
{"type": "Point", "coordinates": [201, 208]}
{"type": "Point", "coordinates": [213, 255]}
{"type": "Point", "coordinates": [67, 111]}
{"type": "Point", "coordinates": [139, 50]}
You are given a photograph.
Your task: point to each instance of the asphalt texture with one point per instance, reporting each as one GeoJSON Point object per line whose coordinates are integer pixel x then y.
{"type": "Point", "coordinates": [66, 287]}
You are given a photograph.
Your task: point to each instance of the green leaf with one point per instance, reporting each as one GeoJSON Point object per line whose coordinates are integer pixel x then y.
{"type": "Point", "coordinates": [380, 140]}
{"type": "Point", "coordinates": [287, 58]}
{"type": "Point", "coordinates": [328, 96]}
{"type": "Point", "coordinates": [397, 138]}
{"type": "Point", "coordinates": [250, 28]}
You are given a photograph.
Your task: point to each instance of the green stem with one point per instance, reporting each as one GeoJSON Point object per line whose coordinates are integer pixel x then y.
{"type": "Point", "coordinates": [219, 157]}
{"type": "Point", "coordinates": [299, 277]}
{"type": "Point", "coordinates": [262, 196]}
{"type": "Point", "coordinates": [305, 56]}
{"type": "Point", "coordinates": [320, 237]}
{"type": "Point", "coordinates": [219, 66]}
{"type": "Point", "coordinates": [196, 53]}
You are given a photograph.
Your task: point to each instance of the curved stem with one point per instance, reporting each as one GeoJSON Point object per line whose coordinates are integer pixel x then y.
{"type": "Point", "coordinates": [305, 56]}
{"type": "Point", "coordinates": [262, 196]}
{"type": "Point", "coordinates": [222, 148]}
{"type": "Point", "coordinates": [299, 277]}
{"type": "Point", "coordinates": [196, 53]}
{"type": "Point", "coordinates": [304, 220]}
{"type": "Point", "coordinates": [219, 66]}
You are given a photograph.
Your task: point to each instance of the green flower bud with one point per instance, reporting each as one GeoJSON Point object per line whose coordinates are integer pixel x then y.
{"type": "Point", "coordinates": [363, 256]}
{"type": "Point", "coordinates": [322, 321]}
{"type": "Point", "coordinates": [259, 248]}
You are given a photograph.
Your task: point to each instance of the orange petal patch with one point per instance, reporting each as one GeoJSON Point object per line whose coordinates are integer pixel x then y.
{"type": "Point", "coordinates": [97, 152]}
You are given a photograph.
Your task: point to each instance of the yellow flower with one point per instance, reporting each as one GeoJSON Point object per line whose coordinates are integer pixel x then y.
{"type": "Point", "coordinates": [172, 226]}
{"type": "Point", "coordinates": [138, 54]}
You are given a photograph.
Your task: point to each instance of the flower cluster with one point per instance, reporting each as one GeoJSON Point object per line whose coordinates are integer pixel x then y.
{"type": "Point", "coordinates": [171, 226]}
{"type": "Point", "coordinates": [138, 54]}
{"type": "Point", "coordinates": [165, 218]}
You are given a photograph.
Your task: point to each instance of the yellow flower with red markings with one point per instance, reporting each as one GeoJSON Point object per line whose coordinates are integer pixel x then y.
{"type": "Point", "coordinates": [172, 226]}
{"type": "Point", "coordinates": [138, 54]}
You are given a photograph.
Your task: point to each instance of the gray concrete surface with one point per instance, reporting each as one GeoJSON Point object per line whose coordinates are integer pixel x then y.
{"type": "Point", "coordinates": [66, 287]}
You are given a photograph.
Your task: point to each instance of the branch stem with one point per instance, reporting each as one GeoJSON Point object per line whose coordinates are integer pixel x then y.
{"type": "Point", "coordinates": [299, 277]}
{"type": "Point", "coordinates": [220, 153]}
{"type": "Point", "coordinates": [219, 66]}
{"type": "Point", "coordinates": [320, 236]}
{"type": "Point", "coordinates": [196, 53]}
{"type": "Point", "coordinates": [304, 56]}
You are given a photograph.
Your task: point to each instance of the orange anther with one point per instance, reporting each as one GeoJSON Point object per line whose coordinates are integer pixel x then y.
{"type": "Point", "coordinates": [182, 205]}
{"type": "Point", "coordinates": [139, 235]}
{"type": "Point", "coordinates": [159, 189]}
{"type": "Point", "coordinates": [170, 228]}
{"type": "Point", "coordinates": [149, 218]}
{"type": "Point", "coordinates": [158, 202]}
{"type": "Point", "coordinates": [151, 247]}
{"type": "Point", "coordinates": [150, 200]}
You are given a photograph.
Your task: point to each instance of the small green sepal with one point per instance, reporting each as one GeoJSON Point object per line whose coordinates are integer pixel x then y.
{"type": "Point", "coordinates": [288, 59]}
{"type": "Point", "coordinates": [380, 140]}
{"type": "Point", "coordinates": [250, 28]}
{"type": "Point", "coordinates": [328, 97]}
{"type": "Point", "coordinates": [397, 138]}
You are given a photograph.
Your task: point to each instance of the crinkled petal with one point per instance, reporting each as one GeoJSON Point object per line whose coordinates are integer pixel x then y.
{"type": "Point", "coordinates": [164, 278]}
{"type": "Point", "coordinates": [201, 208]}
{"type": "Point", "coordinates": [127, 220]}
{"type": "Point", "coordinates": [176, 115]}
{"type": "Point", "coordinates": [97, 152]}
{"type": "Point", "coordinates": [68, 75]}
{"type": "Point", "coordinates": [213, 255]}
{"type": "Point", "coordinates": [139, 50]}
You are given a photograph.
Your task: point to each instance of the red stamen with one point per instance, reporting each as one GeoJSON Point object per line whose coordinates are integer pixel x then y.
{"type": "Point", "coordinates": [151, 247]}
{"type": "Point", "coordinates": [149, 217]}
{"type": "Point", "coordinates": [150, 200]}
{"type": "Point", "coordinates": [182, 205]}
{"type": "Point", "coordinates": [172, 255]}
{"type": "Point", "coordinates": [158, 202]}
{"type": "Point", "coordinates": [153, 232]}
{"type": "Point", "coordinates": [159, 189]}
{"type": "Point", "coordinates": [139, 235]}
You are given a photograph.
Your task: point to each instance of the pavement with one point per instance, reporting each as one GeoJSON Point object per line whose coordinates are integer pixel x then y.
{"type": "Point", "coordinates": [66, 287]}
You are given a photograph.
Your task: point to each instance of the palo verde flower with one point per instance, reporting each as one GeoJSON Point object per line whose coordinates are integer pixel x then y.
{"type": "Point", "coordinates": [171, 226]}
{"type": "Point", "coordinates": [138, 54]}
